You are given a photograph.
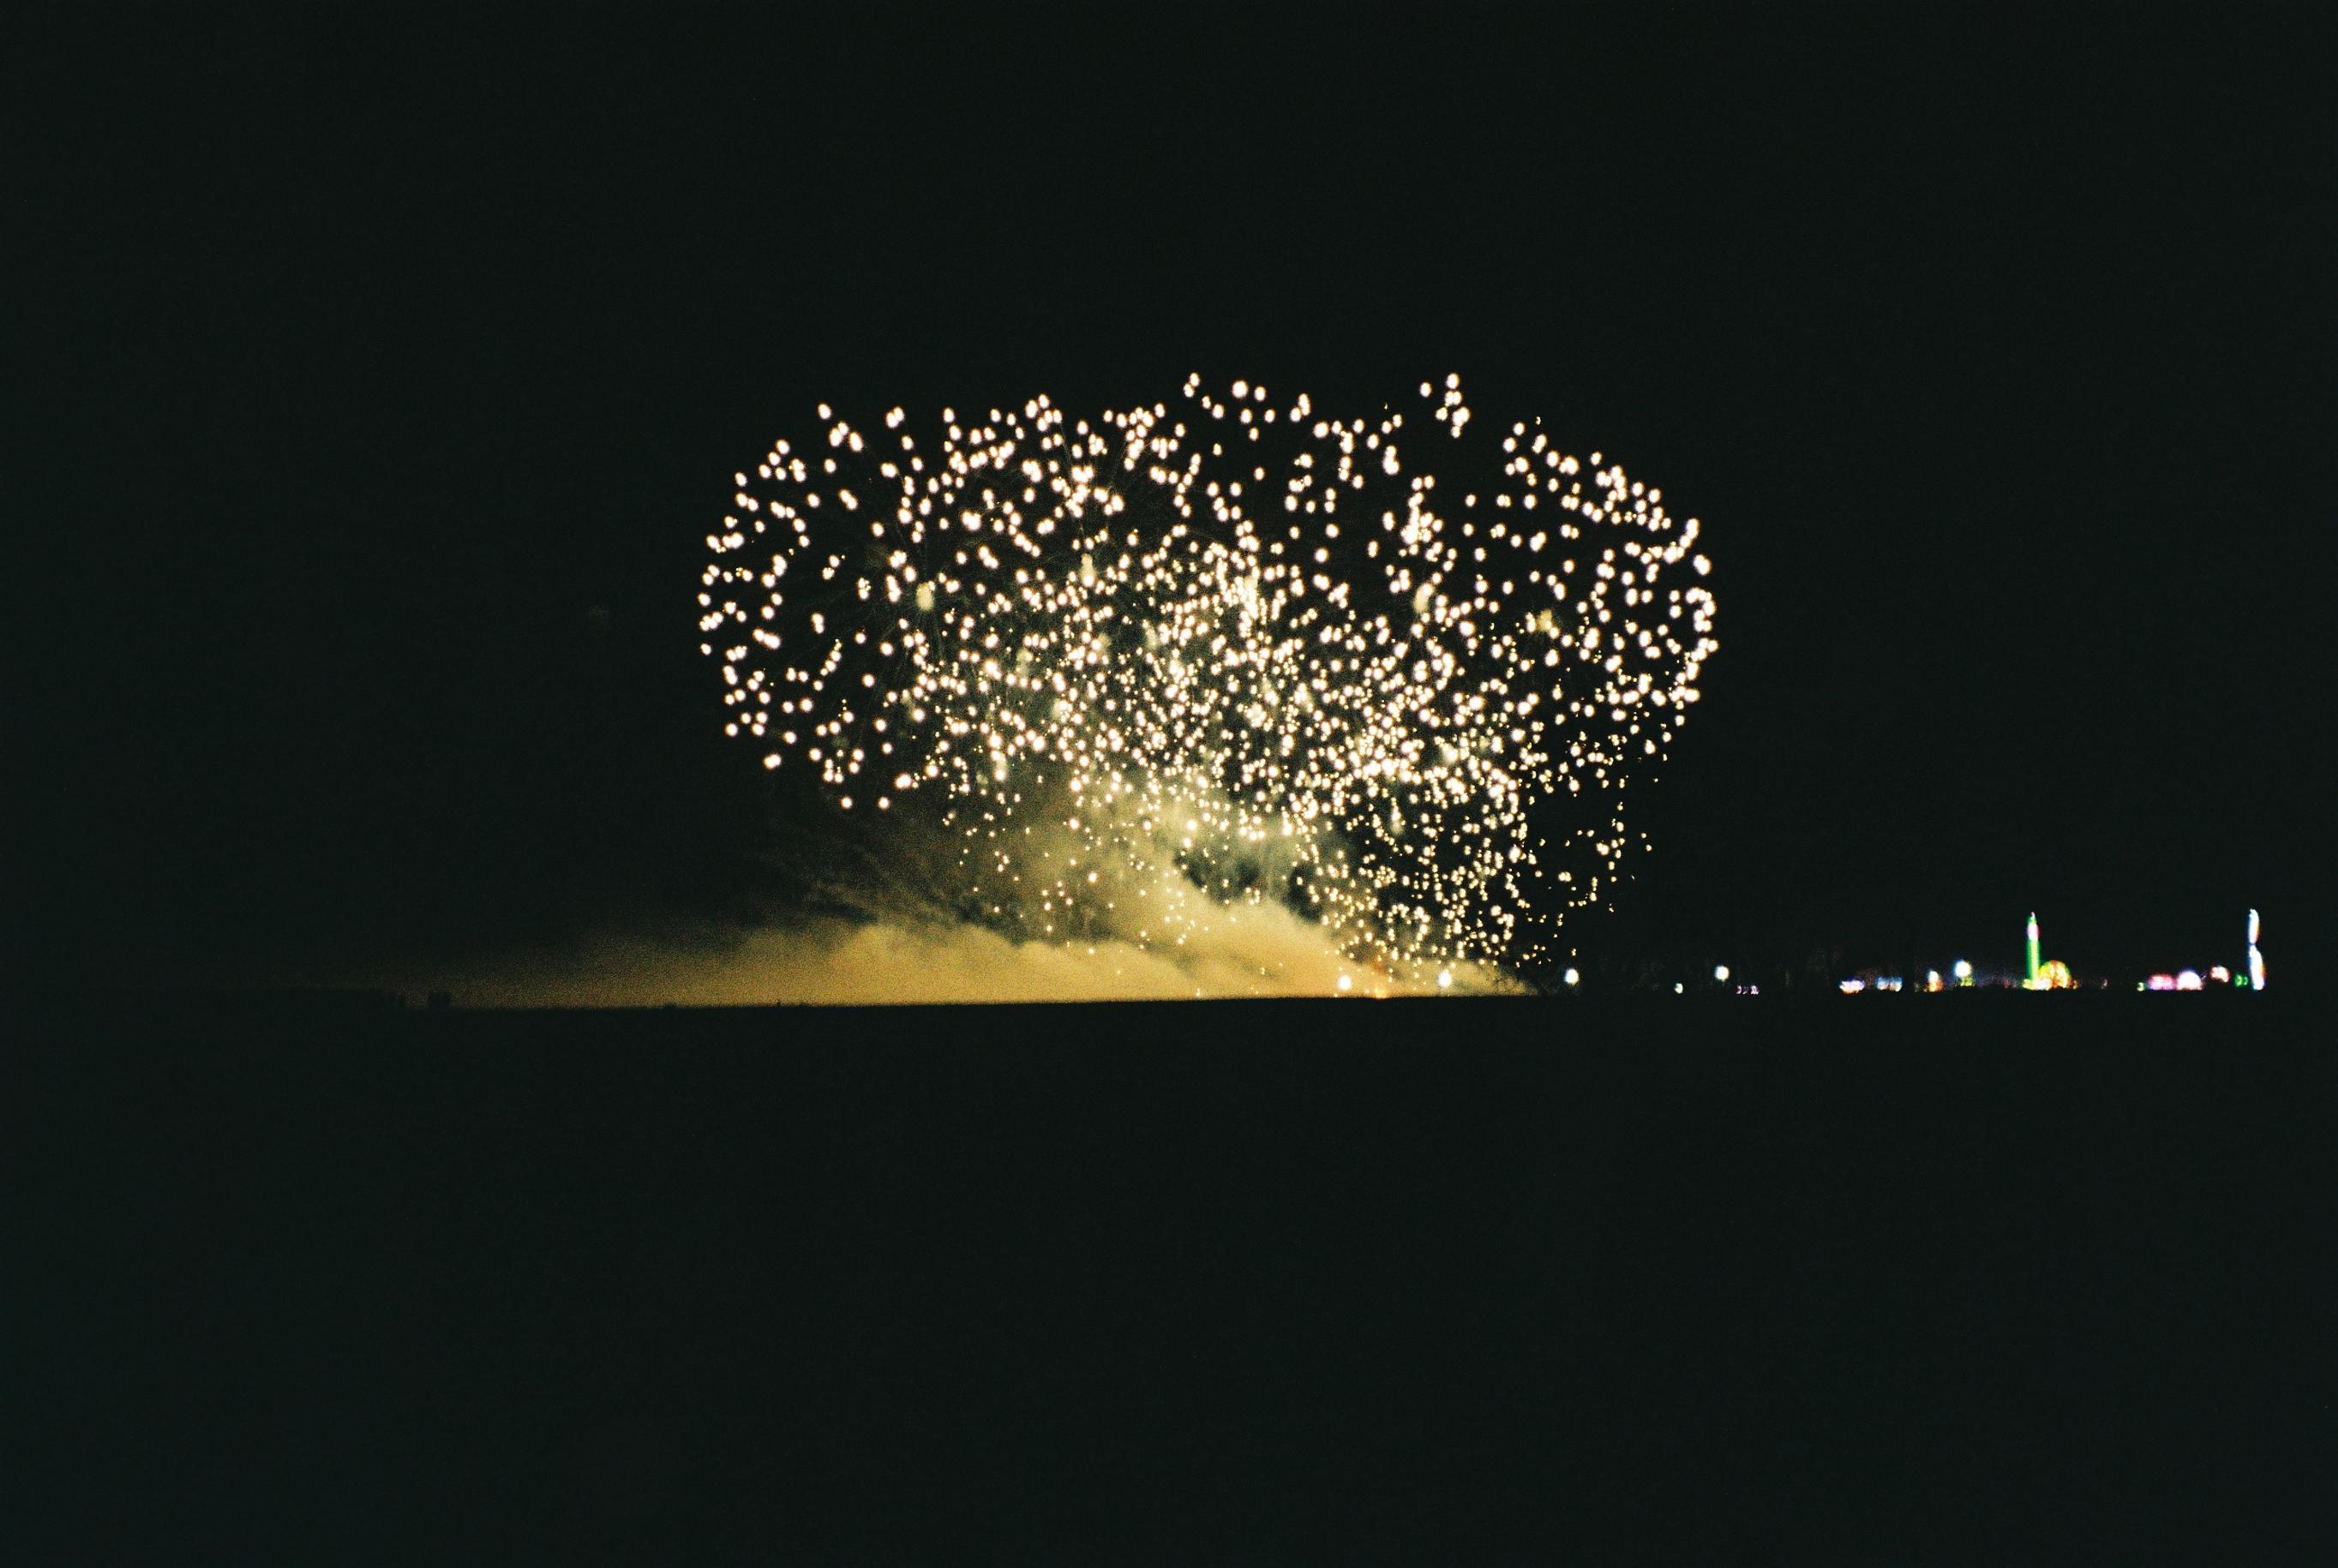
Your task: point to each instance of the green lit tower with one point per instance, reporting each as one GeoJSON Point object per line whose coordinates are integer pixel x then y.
{"type": "Point", "coordinates": [2033, 950]}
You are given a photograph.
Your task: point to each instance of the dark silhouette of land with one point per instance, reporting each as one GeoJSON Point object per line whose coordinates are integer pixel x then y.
{"type": "Point", "coordinates": [1967, 1279]}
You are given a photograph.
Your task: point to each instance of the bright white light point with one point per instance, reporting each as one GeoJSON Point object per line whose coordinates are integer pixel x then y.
{"type": "Point", "coordinates": [1720, 971]}
{"type": "Point", "coordinates": [1572, 977]}
{"type": "Point", "coordinates": [1961, 970]}
{"type": "Point", "coordinates": [1444, 978]}
{"type": "Point", "coordinates": [1678, 987]}
{"type": "Point", "coordinates": [1345, 981]}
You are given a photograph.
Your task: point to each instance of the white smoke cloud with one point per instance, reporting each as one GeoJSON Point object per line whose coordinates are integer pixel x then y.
{"type": "Point", "coordinates": [1145, 929]}
{"type": "Point", "coordinates": [1247, 950]}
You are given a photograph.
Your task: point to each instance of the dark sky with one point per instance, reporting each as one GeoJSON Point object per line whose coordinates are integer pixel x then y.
{"type": "Point", "coordinates": [380, 370]}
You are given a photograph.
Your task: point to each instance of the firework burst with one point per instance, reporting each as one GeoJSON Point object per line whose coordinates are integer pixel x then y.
{"type": "Point", "coordinates": [1150, 669]}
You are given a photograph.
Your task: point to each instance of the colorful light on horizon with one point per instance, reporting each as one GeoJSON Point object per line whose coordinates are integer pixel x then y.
{"type": "Point", "coordinates": [2053, 975]}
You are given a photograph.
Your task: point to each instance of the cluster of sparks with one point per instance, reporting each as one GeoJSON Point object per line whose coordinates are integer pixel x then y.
{"type": "Point", "coordinates": [1150, 667]}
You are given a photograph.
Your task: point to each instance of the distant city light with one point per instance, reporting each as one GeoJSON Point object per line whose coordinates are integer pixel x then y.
{"type": "Point", "coordinates": [1444, 979]}
{"type": "Point", "coordinates": [2219, 974]}
{"type": "Point", "coordinates": [1963, 972]}
{"type": "Point", "coordinates": [1720, 971]}
{"type": "Point", "coordinates": [2188, 980]}
{"type": "Point", "coordinates": [1931, 979]}
{"type": "Point", "coordinates": [2033, 981]}
{"type": "Point", "coordinates": [1345, 981]}
{"type": "Point", "coordinates": [2055, 976]}
{"type": "Point", "coordinates": [1854, 987]}
{"type": "Point", "coordinates": [1572, 978]}
{"type": "Point", "coordinates": [1678, 987]}
{"type": "Point", "coordinates": [2160, 983]}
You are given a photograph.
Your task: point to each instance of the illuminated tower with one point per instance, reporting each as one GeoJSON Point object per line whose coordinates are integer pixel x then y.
{"type": "Point", "coordinates": [2032, 982]}
{"type": "Point", "coordinates": [2256, 959]}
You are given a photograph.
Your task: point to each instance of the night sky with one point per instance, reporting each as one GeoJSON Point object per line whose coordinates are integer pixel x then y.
{"type": "Point", "coordinates": [380, 372]}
